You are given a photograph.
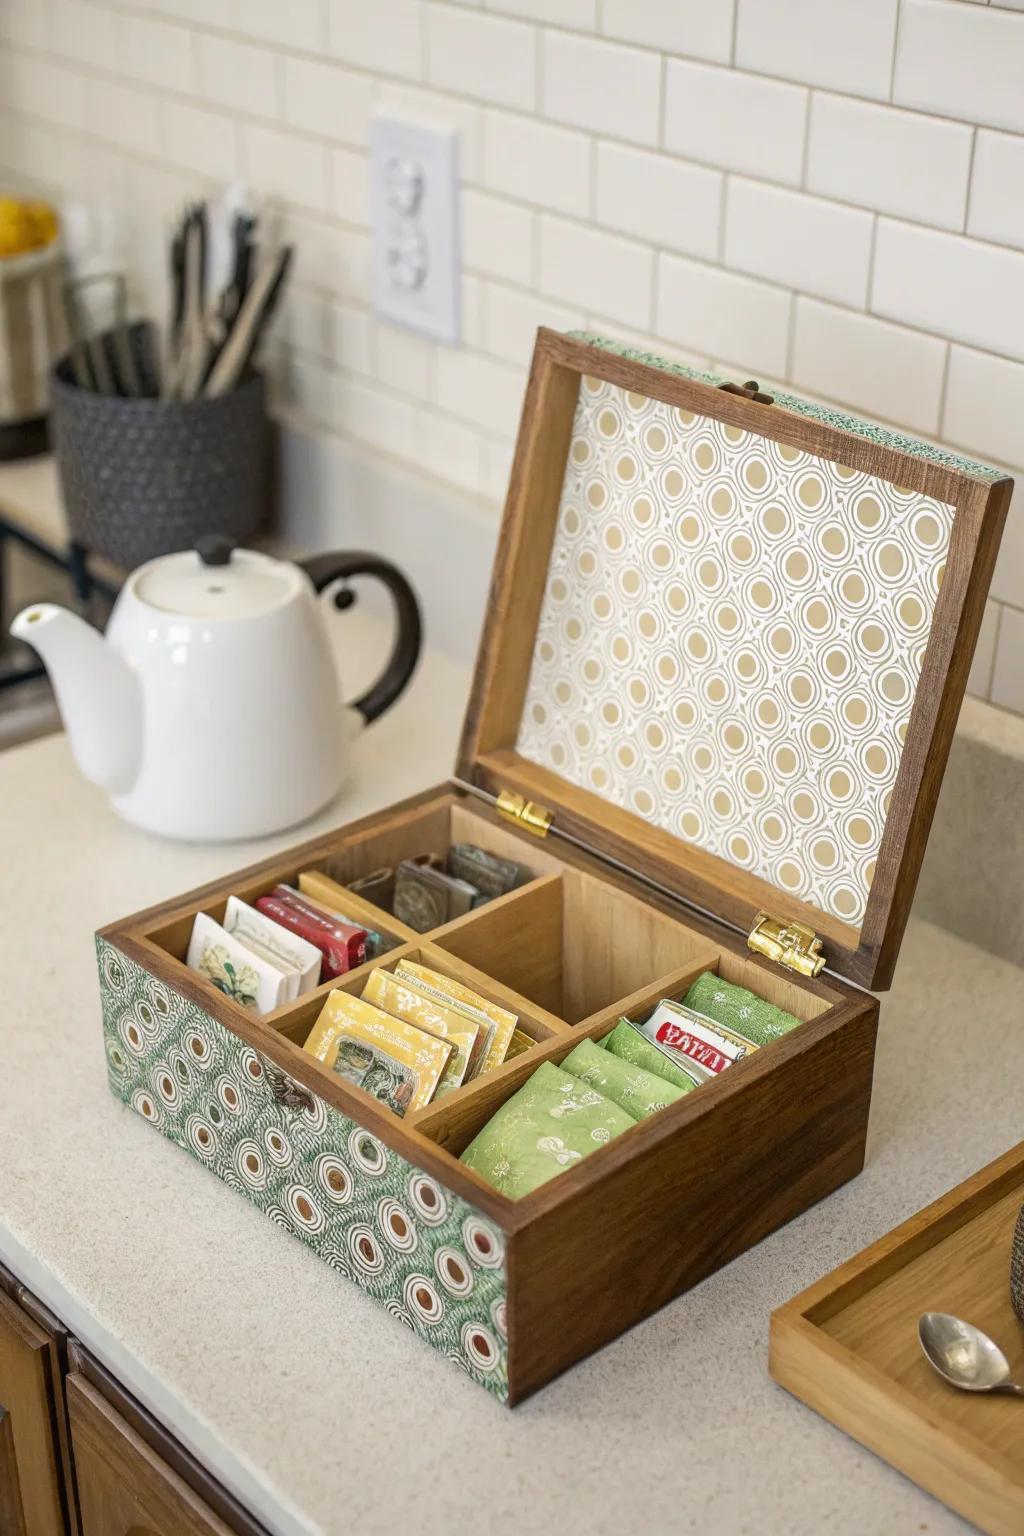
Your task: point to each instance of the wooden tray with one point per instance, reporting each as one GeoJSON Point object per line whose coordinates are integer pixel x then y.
{"type": "Point", "coordinates": [848, 1347]}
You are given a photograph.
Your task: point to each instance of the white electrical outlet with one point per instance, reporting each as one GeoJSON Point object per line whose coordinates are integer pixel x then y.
{"type": "Point", "coordinates": [415, 199]}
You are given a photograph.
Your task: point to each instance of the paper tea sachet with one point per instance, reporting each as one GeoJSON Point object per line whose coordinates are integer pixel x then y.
{"type": "Point", "coordinates": [519, 1043]}
{"type": "Point", "coordinates": [300, 959]}
{"type": "Point", "coordinates": [628, 1043]}
{"type": "Point", "coordinates": [698, 1044]}
{"type": "Point", "coordinates": [233, 967]}
{"type": "Point", "coordinates": [426, 895]}
{"type": "Point", "coordinates": [342, 945]}
{"type": "Point", "coordinates": [455, 995]}
{"type": "Point", "coordinates": [490, 875]}
{"type": "Point", "coordinates": [401, 997]}
{"type": "Point", "coordinates": [735, 1008]}
{"type": "Point", "coordinates": [639, 1092]}
{"type": "Point", "coordinates": [551, 1124]}
{"type": "Point", "coordinates": [395, 1062]}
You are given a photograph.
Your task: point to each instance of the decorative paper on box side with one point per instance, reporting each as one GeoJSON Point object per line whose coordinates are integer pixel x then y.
{"type": "Point", "coordinates": [730, 640]}
{"type": "Point", "coordinates": [429, 1257]}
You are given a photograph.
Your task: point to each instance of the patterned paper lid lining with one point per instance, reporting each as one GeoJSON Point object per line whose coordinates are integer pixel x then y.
{"type": "Point", "coordinates": [730, 640]}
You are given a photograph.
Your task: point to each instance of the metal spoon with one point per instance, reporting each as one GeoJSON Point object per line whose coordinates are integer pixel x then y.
{"type": "Point", "coordinates": [964, 1356]}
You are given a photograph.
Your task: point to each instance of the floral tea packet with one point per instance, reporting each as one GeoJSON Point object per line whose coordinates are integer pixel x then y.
{"type": "Point", "coordinates": [628, 1043]}
{"type": "Point", "coordinates": [551, 1124]}
{"type": "Point", "coordinates": [499, 1021]}
{"type": "Point", "coordinates": [395, 1062]}
{"type": "Point", "coordinates": [737, 1009]}
{"type": "Point", "coordinates": [403, 998]}
{"type": "Point", "coordinates": [248, 978]}
{"type": "Point", "coordinates": [639, 1092]}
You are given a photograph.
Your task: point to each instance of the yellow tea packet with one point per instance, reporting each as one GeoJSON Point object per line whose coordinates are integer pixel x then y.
{"type": "Point", "coordinates": [464, 1000]}
{"type": "Point", "coordinates": [394, 1061]}
{"type": "Point", "coordinates": [519, 1043]}
{"type": "Point", "coordinates": [402, 997]}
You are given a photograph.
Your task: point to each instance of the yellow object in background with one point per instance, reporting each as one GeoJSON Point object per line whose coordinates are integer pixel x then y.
{"type": "Point", "coordinates": [25, 226]}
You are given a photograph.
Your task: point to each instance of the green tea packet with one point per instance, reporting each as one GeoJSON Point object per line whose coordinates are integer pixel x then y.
{"type": "Point", "coordinates": [639, 1092]}
{"type": "Point", "coordinates": [741, 1011]}
{"type": "Point", "coordinates": [553, 1122]}
{"type": "Point", "coordinates": [626, 1042]}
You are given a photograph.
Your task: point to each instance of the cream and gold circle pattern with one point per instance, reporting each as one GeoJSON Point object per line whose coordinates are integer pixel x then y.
{"type": "Point", "coordinates": [731, 638]}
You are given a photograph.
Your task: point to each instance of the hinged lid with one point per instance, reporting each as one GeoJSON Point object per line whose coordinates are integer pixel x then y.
{"type": "Point", "coordinates": [727, 640]}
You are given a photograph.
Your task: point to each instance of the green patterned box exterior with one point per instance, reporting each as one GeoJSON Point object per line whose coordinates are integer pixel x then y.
{"type": "Point", "coordinates": [427, 1256]}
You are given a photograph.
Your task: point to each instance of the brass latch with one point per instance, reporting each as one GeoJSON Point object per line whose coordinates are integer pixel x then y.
{"type": "Point", "coordinates": [750, 390]}
{"type": "Point", "coordinates": [525, 813]}
{"type": "Point", "coordinates": [792, 945]}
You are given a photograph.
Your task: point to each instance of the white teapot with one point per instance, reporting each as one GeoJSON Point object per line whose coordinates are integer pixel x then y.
{"type": "Point", "coordinates": [211, 709]}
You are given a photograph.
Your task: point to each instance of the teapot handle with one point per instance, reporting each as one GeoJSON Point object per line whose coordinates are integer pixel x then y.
{"type": "Point", "coordinates": [322, 570]}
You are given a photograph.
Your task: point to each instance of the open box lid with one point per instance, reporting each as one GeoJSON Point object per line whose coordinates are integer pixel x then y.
{"type": "Point", "coordinates": [727, 640]}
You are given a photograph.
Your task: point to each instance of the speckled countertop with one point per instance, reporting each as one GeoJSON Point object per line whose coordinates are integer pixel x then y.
{"type": "Point", "coordinates": [318, 1410]}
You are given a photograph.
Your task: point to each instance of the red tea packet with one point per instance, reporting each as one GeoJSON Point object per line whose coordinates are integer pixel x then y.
{"type": "Point", "coordinates": [342, 945]}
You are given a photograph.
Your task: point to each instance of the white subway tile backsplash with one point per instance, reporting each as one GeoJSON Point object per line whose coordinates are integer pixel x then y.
{"type": "Point", "coordinates": [298, 24]}
{"type": "Point", "coordinates": [327, 99]}
{"type": "Point", "coordinates": [721, 314]}
{"type": "Point", "coordinates": [741, 122]}
{"type": "Point", "coordinates": [996, 210]}
{"type": "Point", "coordinates": [384, 35]}
{"type": "Point", "coordinates": [487, 57]}
{"type": "Point", "coordinates": [537, 163]}
{"type": "Point", "coordinates": [283, 165]}
{"type": "Point", "coordinates": [479, 389]}
{"type": "Point", "coordinates": [1008, 671]}
{"type": "Point", "coordinates": [596, 271]}
{"type": "Point", "coordinates": [512, 316]}
{"type": "Point", "coordinates": [627, 166]}
{"type": "Point", "coordinates": [844, 44]}
{"type": "Point", "coordinates": [350, 185]}
{"type": "Point", "coordinates": [449, 449]}
{"type": "Point", "coordinates": [701, 29]}
{"type": "Point", "coordinates": [581, 14]}
{"type": "Point", "coordinates": [154, 52]}
{"type": "Point", "coordinates": [83, 32]}
{"type": "Point", "coordinates": [199, 140]}
{"type": "Point", "coordinates": [964, 61]}
{"type": "Point", "coordinates": [661, 199]}
{"type": "Point", "coordinates": [803, 242]}
{"type": "Point", "coordinates": [606, 87]}
{"type": "Point", "coordinates": [421, 104]}
{"type": "Point", "coordinates": [898, 162]}
{"type": "Point", "coordinates": [238, 75]}
{"type": "Point", "coordinates": [405, 362]}
{"type": "Point", "coordinates": [881, 369]}
{"type": "Point", "coordinates": [985, 405]}
{"type": "Point", "coordinates": [951, 285]}
{"type": "Point", "coordinates": [980, 677]}
{"type": "Point", "coordinates": [497, 237]}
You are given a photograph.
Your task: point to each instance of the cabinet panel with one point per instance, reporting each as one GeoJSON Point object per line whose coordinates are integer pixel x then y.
{"type": "Point", "coordinates": [27, 1394]}
{"type": "Point", "coordinates": [124, 1487]}
{"type": "Point", "coordinates": [12, 1514]}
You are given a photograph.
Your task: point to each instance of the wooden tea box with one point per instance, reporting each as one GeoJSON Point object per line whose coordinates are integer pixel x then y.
{"type": "Point", "coordinates": [726, 643]}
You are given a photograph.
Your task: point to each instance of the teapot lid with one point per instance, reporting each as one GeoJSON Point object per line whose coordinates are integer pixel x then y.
{"type": "Point", "coordinates": [216, 581]}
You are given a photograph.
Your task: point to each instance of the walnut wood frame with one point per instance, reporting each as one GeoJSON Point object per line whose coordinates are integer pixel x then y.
{"type": "Point", "coordinates": [487, 755]}
{"type": "Point", "coordinates": [703, 1180]}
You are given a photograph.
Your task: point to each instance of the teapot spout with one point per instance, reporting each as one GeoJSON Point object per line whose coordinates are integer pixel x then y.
{"type": "Point", "coordinates": [98, 693]}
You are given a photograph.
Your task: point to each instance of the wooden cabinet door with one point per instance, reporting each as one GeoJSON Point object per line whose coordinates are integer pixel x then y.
{"type": "Point", "coordinates": [124, 1487]}
{"type": "Point", "coordinates": [31, 1476]}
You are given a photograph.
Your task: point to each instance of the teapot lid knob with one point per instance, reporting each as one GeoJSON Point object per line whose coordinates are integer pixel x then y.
{"type": "Point", "coordinates": [215, 549]}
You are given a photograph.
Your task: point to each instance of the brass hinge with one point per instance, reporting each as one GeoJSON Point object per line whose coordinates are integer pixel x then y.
{"type": "Point", "coordinates": [792, 945]}
{"type": "Point", "coordinates": [525, 813]}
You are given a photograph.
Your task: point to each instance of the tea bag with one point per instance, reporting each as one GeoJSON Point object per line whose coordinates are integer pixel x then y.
{"type": "Point", "coordinates": [499, 1022]}
{"type": "Point", "coordinates": [426, 896]}
{"type": "Point", "coordinates": [490, 875]}
{"type": "Point", "coordinates": [737, 1009]}
{"type": "Point", "coordinates": [394, 1061]}
{"type": "Point", "coordinates": [700, 1046]}
{"type": "Point", "coordinates": [627, 1042]}
{"type": "Point", "coordinates": [402, 998]}
{"type": "Point", "coordinates": [639, 1092]}
{"type": "Point", "coordinates": [551, 1124]}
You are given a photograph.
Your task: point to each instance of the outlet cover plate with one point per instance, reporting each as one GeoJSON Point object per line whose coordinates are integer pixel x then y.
{"type": "Point", "coordinates": [415, 209]}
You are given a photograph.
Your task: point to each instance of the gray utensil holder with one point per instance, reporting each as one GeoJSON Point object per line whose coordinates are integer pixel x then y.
{"type": "Point", "coordinates": [1017, 1267]}
{"type": "Point", "coordinates": [143, 477]}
